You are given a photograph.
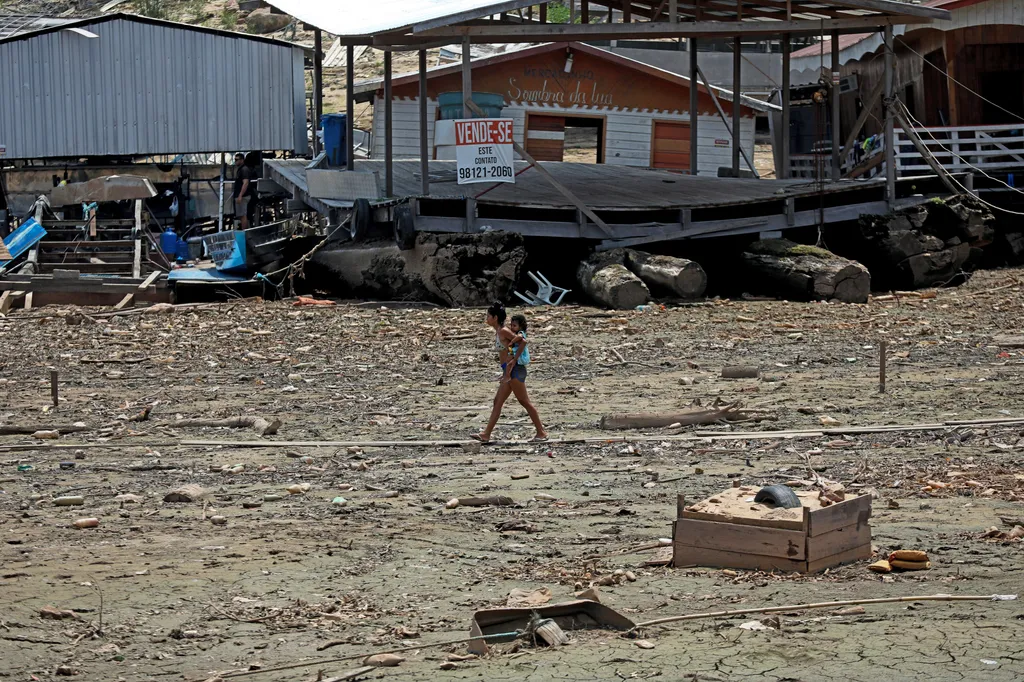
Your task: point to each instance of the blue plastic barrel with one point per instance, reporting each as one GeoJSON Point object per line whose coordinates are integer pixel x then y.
{"type": "Point", "coordinates": [181, 250]}
{"type": "Point", "coordinates": [168, 241]}
{"type": "Point", "coordinates": [335, 129]}
{"type": "Point", "coordinates": [451, 104]}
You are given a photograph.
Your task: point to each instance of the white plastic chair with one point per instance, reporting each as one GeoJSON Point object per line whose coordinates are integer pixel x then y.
{"type": "Point", "coordinates": [545, 291]}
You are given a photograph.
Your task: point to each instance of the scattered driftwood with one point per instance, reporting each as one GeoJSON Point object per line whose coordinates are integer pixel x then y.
{"type": "Point", "coordinates": [808, 272]}
{"type": "Point", "coordinates": [490, 501]}
{"type": "Point", "coordinates": [259, 424]}
{"type": "Point", "coordinates": [648, 420]}
{"type": "Point", "coordinates": [187, 493]}
{"type": "Point", "coordinates": [740, 372]}
{"type": "Point", "coordinates": [610, 284]}
{"type": "Point", "coordinates": [15, 429]}
{"type": "Point", "coordinates": [674, 276]}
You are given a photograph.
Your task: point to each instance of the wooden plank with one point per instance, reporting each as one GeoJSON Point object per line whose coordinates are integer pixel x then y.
{"type": "Point", "coordinates": [149, 280]}
{"type": "Point", "coordinates": [686, 555]}
{"type": "Point", "coordinates": [747, 539]}
{"type": "Point", "coordinates": [28, 301]}
{"type": "Point", "coordinates": [856, 511]}
{"type": "Point", "coordinates": [137, 258]}
{"type": "Point", "coordinates": [124, 301]}
{"type": "Point", "coordinates": [838, 541]}
{"type": "Point", "coordinates": [855, 554]}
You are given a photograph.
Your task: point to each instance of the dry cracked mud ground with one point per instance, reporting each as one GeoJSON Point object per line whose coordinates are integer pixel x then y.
{"type": "Point", "coordinates": [158, 592]}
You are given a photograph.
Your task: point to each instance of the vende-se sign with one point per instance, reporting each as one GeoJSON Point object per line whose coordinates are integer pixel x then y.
{"type": "Point", "coordinates": [483, 150]}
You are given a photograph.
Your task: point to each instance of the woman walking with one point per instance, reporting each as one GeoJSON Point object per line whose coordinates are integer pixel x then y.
{"type": "Point", "coordinates": [513, 356]}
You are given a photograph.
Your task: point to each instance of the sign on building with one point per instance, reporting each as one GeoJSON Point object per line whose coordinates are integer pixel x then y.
{"type": "Point", "coordinates": [483, 150]}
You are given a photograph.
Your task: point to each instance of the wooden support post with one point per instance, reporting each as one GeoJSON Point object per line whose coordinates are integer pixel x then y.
{"type": "Point", "coordinates": [470, 215]}
{"type": "Point", "coordinates": [389, 143]}
{"type": "Point", "coordinates": [694, 104]}
{"type": "Point", "coordinates": [881, 366]}
{"type": "Point", "coordinates": [673, 11]}
{"type": "Point", "coordinates": [318, 86]}
{"type": "Point", "coordinates": [544, 13]}
{"type": "Point", "coordinates": [54, 395]}
{"type": "Point", "coordinates": [137, 259]}
{"type": "Point", "coordinates": [350, 106]}
{"type": "Point", "coordinates": [572, 11]}
{"type": "Point", "coordinates": [950, 49]}
{"type": "Point", "coordinates": [585, 11]}
{"type": "Point", "coordinates": [783, 155]}
{"type": "Point", "coordinates": [890, 140]}
{"type": "Point", "coordinates": [467, 78]}
{"type": "Point", "coordinates": [424, 150]}
{"type": "Point", "coordinates": [737, 86]}
{"type": "Point", "coordinates": [627, 11]}
{"type": "Point", "coordinates": [28, 300]}
{"type": "Point", "coordinates": [836, 129]}
{"type": "Point", "coordinates": [529, 13]}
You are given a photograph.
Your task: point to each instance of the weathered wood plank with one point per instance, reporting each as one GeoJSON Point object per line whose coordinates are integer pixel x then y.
{"type": "Point", "coordinates": [838, 541]}
{"type": "Point", "coordinates": [856, 511]}
{"type": "Point", "coordinates": [855, 554]}
{"type": "Point", "coordinates": [124, 301]}
{"type": "Point", "coordinates": [687, 555]}
{"type": "Point", "coordinates": [746, 539]}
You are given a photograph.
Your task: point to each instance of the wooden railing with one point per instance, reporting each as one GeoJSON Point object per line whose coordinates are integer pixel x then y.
{"type": "Point", "coordinates": [958, 148]}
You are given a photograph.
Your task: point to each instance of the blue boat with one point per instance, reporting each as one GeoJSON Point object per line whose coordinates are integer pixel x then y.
{"type": "Point", "coordinates": [247, 251]}
{"type": "Point", "coordinates": [22, 239]}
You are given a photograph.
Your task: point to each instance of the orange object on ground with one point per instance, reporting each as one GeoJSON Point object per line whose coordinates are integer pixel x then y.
{"type": "Point", "coordinates": [306, 300]}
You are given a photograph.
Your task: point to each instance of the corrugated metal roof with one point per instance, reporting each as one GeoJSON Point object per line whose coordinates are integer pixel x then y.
{"type": "Point", "coordinates": [362, 18]}
{"type": "Point", "coordinates": [141, 87]}
{"type": "Point", "coordinates": [17, 24]}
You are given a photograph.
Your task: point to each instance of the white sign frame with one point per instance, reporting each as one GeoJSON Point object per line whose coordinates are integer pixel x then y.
{"type": "Point", "coordinates": [483, 150]}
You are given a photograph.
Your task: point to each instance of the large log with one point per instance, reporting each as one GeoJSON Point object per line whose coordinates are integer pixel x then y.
{"type": "Point", "coordinates": [610, 284]}
{"type": "Point", "coordinates": [676, 276]}
{"type": "Point", "coordinates": [808, 272]}
{"type": "Point", "coordinates": [454, 269]}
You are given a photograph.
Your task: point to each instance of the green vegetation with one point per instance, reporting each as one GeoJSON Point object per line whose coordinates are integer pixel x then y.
{"type": "Point", "coordinates": [784, 247]}
{"type": "Point", "coordinates": [154, 9]}
{"type": "Point", "coordinates": [229, 18]}
{"type": "Point", "coordinates": [559, 13]}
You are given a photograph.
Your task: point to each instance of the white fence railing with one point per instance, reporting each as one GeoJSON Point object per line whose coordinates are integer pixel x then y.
{"type": "Point", "coordinates": [959, 148]}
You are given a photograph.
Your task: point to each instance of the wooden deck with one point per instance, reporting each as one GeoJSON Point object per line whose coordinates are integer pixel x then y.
{"type": "Point", "coordinates": [640, 205]}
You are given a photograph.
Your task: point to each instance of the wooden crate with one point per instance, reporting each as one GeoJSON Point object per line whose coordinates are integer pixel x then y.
{"type": "Point", "coordinates": [730, 531]}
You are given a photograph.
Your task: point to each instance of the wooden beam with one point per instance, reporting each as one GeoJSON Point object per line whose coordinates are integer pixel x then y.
{"type": "Point", "coordinates": [467, 77]}
{"type": "Point", "coordinates": [550, 178]}
{"type": "Point", "coordinates": [561, 32]}
{"type": "Point", "coordinates": [950, 49]}
{"type": "Point", "coordinates": [137, 259]}
{"type": "Point", "coordinates": [834, 99]}
{"type": "Point", "coordinates": [737, 86]}
{"type": "Point", "coordinates": [865, 113]}
{"type": "Point", "coordinates": [783, 155]}
{"type": "Point", "coordinates": [584, 11]}
{"type": "Point", "coordinates": [890, 141]}
{"type": "Point", "coordinates": [318, 85]}
{"type": "Point", "coordinates": [389, 141]}
{"type": "Point", "coordinates": [694, 106]}
{"type": "Point", "coordinates": [149, 280]}
{"type": "Point", "coordinates": [424, 151]}
{"type": "Point", "coordinates": [28, 300]}
{"type": "Point", "coordinates": [350, 107]}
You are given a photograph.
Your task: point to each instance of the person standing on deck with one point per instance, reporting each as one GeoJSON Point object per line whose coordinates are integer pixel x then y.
{"type": "Point", "coordinates": [242, 190]}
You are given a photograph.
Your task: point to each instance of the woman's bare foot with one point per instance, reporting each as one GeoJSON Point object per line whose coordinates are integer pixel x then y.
{"type": "Point", "coordinates": [483, 438]}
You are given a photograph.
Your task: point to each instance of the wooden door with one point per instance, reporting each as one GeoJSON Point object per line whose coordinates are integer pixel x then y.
{"type": "Point", "coordinates": [670, 145]}
{"type": "Point", "coordinates": [545, 137]}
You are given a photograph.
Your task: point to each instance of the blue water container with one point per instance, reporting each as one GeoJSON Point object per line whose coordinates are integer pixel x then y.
{"type": "Point", "coordinates": [335, 145]}
{"type": "Point", "coordinates": [181, 250]}
{"type": "Point", "coordinates": [169, 241]}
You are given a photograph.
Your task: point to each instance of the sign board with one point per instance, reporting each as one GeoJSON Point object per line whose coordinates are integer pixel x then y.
{"type": "Point", "coordinates": [719, 142]}
{"type": "Point", "coordinates": [3, 150]}
{"type": "Point", "coordinates": [483, 150]}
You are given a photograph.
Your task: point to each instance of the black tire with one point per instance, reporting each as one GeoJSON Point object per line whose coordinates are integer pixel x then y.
{"type": "Point", "coordinates": [361, 220]}
{"type": "Point", "coordinates": [404, 226]}
{"type": "Point", "coordinates": [781, 495]}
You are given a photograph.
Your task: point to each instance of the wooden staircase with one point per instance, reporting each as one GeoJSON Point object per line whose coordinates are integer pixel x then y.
{"type": "Point", "coordinates": [106, 247]}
